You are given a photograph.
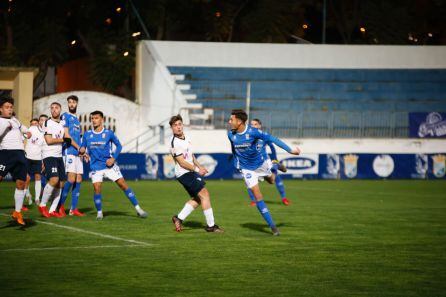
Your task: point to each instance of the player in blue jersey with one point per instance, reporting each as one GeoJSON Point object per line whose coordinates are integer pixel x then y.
{"type": "Point", "coordinates": [256, 123]}
{"type": "Point", "coordinates": [97, 142]}
{"type": "Point", "coordinates": [250, 160]}
{"type": "Point", "coordinates": [73, 162]}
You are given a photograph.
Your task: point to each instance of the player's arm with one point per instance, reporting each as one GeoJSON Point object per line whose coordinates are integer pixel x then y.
{"type": "Point", "coordinates": [269, 138]}
{"type": "Point", "coordinates": [5, 127]}
{"type": "Point", "coordinates": [51, 141]}
{"type": "Point", "coordinates": [201, 169]}
{"type": "Point", "coordinates": [273, 151]}
{"type": "Point", "coordinates": [117, 151]}
{"type": "Point", "coordinates": [83, 148]}
{"type": "Point", "coordinates": [188, 166]}
{"type": "Point", "coordinates": [69, 142]}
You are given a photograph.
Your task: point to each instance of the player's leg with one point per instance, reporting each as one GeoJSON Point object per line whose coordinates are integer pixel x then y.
{"type": "Point", "coordinates": [131, 196]}
{"type": "Point", "coordinates": [70, 168]}
{"type": "Point", "coordinates": [207, 211]}
{"type": "Point", "coordinates": [188, 208]}
{"type": "Point", "coordinates": [27, 192]}
{"type": "Point", "coordinates": [37, 187]}
{"type": "Point", "coordinates": [97, 197]}
{"type": "Point", "coordinates": [281, 189]}
{"type": "Point", "coordinates": [263, 209]}
{"type": "Point", "coordinates": [251, 197]}
{"type": "Point", "coordinates": [58, 191]}
{"type": "Point", "coordinates": [19, 172]}
{"type": "Point", "coordinates": [74, 211]}
{"type": "Point", "coordinates": [51, 188]}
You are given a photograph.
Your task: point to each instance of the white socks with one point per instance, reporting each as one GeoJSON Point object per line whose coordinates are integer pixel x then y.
{"type": "Point", "coordinates": [209, 214]}
{"type": "Point", "coordinates": [56, 200]}
{"type": "Point", "coordinates": [19, 195]}
{"type": "Point", "coordinates": [47, 191]}
{"type": "Point", "coordinates": [38, 189]}
{"type": "Point", "coordinates": [187, 210]}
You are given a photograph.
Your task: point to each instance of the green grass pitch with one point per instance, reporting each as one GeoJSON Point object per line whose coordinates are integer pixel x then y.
{"type": "Point", "coordinates": [339, 238]}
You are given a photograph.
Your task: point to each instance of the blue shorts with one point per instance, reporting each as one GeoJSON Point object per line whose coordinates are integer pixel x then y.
{"type": "Point", "coordinates": [192, 182]}
{"type": "Point", "coordinates": [14, 162]}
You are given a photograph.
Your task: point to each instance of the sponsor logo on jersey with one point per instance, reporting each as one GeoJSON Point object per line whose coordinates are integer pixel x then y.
{"type": "Point", "coordinates": [383, 165]}
{"type": "Point", "coordinates": [351, 165]}
{"type": "Point", "coordinates": [439, 166]}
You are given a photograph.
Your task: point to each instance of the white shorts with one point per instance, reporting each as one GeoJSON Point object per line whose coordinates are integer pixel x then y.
{"type": "Point", "coordinates": [73, 164]}
{"type": "Point", "coordinates": [112, 174]}
{"type": "Point", "coordinates": [252, 177]}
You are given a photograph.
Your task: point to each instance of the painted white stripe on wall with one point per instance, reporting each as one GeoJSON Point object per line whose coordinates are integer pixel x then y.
{"type": "Point", "coordinates": [262, 55]}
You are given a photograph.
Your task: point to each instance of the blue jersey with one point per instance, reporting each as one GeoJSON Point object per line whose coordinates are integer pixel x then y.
{"type": "Point", "coordinates": [248, 147]}
{"type": "Point", "coordinates": [74, 128]}
{"type": "Point", "coordinates": [99, 147]}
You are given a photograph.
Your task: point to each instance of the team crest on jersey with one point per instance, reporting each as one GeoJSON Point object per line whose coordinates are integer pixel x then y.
{"type": "Point", "coordinates": [91, 135]}
{"type": "Point", "coordinates": [439, 168]}
{"type": "Point", "coordinates": [247, 136]}
{"type": "Point", "coordinates": [103, 135]}
{"type": "Point", "coordinates": [351, 165]}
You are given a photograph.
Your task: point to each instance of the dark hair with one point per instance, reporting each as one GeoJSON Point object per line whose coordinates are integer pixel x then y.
{"type": "Point", "coordinates": [97, 112]}
{"type": "Point", "coordinates": [6, 100]}
{"type": "Point", "coordinates": [240, 114]}
{"type": "Point", "coordinates": [34, 120]}
{"type": "Point", "coordinates": [174, 119]}
{"type": "Point", "coordinates": [43, 116]}
{"type": "Point", "coordinates": [257, 120]}
{"type": "Point", "coordinates": [56, 103]}
{"type": "Point", "coordinates": [73, 97]}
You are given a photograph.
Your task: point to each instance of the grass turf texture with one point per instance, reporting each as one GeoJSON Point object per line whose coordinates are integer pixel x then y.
{"type": "Point", "coordinates": [339, 238]}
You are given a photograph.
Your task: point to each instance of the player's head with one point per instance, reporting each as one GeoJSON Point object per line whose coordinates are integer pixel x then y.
{"type": "Point", "coordinates": [56, 108]}
{"type": "Point", "coordinates": [256, 123]}
{"type": "Point", "coordinates": [6, 107]}
{"type": "Point", "coordinates": [42, 119]}
{"type": "Point", "coordinates": [97, 118]}
{"type": "Point", "coordinates": [34, 122]}
{"type": "Point", "coordinates": [72, 101]}
{"type": "Point", "coordinates": [238, 118]}
{"type": "Point", "coordinates": [176, 123]}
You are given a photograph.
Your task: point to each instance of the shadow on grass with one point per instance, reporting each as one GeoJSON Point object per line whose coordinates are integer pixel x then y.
{"type": "Point", "coordinates": [7, 207]}
{"type": "Point", "coordinates": [13, 224]}
{"type": "Point", "coordinates": [117, 213]}
{"type": "Point", "coordinates": [260, 227]}
{"type": "Point", "coordinates": [193, 224]}
{"type": "Point", "coordinates": [87, 210]}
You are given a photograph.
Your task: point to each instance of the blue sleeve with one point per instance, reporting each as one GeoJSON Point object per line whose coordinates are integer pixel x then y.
{"type": "Point", "coordinates": [118, 145]}
{"type": "Point", "coordinates": [273, 151]}
{"type": "Point", "coordinates": [63, 117]}
{"type": "Point", "coordinates": [269, 138]}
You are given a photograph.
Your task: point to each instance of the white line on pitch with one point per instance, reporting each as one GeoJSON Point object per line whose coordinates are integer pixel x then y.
{"type": "Point", "coordinates": [89, 232]}
{"type": "Point", "coordinates": [70, 248]}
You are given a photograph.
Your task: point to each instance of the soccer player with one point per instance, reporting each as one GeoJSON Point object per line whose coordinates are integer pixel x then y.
{"type": "Point", "coordinates": [33, 150]}
{"type": "Point", "coordinates": [12, 153]}
{"type": "Point", "coordinates": [256, 123]}
{"type": "Point", "coordinates": [73, 162]}
{"type": "Point", "coordinates": [250, 160]}
{"type": "Point", "coordinates": [55, 136]}
{"type": "Point", "coordinates": [97, 143]}
{"type": "Point", "coordinates": [190, 174]}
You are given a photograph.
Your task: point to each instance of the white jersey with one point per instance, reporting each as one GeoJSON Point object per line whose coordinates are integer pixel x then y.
{"type": "Point", "coordinates": [55, 130]}
{"type": "Point", "coordinates": [181, 146]}
{"type": "Point", "coordinates": [11, 134]}
{"type": "Point", "coordinates": [33, 148]}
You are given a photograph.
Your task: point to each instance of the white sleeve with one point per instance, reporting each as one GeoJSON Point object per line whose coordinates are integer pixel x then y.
{"type": "Point", "coordinates": [5, 126]}
{"type": "Point", "coordinates": [176, 151]}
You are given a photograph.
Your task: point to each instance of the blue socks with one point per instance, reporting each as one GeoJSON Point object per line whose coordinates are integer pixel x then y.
{"type": "Point", "coordinates": [75, 195]}
{"type": "Point", "coordinates": [251, 195]}
{"type": "Point", "coordinates": [280, 187]}
{"type": "Point", "coordinates": [131, 195]}
{"type": "Point", "coordinates": [261, 206]}
{"type": "Point", "coordinates": [65, 191]}
{"type": "Point", "coordinates": [98, 201]}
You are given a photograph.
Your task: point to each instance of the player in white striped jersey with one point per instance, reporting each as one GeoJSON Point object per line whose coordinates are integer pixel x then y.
{"type": "Point", "coordinates": [190, 174]}
{"type": "Point", "coordinates": [12, 154]}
